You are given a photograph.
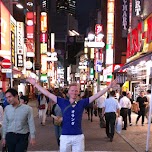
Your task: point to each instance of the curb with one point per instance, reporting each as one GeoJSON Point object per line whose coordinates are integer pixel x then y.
{"type": "Point", "coordinates": [132, 144]}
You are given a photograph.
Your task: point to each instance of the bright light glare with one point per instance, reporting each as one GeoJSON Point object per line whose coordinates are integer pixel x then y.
{"type": "Point", "coordinates": [30, 23]}
{"type": "Point", "coordinates": [100, 35]}
{"type": "Point", "coordinates": [91, 36]}
{"type": "Point", "coordinates": [76, 33]}
{"type": "Point", "coordinates": [19, 6]}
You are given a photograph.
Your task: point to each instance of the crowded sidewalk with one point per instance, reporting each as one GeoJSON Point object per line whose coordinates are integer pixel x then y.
{"type": "Point", "coordinates": [135, 135]}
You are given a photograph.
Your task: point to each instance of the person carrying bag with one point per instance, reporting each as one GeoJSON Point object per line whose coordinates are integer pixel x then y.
{"type": "Point", "coordinates": [119, 124]}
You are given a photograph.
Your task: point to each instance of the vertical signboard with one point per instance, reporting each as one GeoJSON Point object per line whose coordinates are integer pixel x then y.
{"type": "Point", "coordinates": [110, 32]}
{"type": "Point", "coordinates": [125, 17]}
{"type": "Point", "coordinates": [13, 40]}
{"type": "Point", "coordinates": [20, 44]}
{"type": "Point", "coordinates": [137, 7]}
{"type": "Point", "coordinates": [43, 34]}
{"type": "Point", "coordinates": [5, 32]}
{"type": "Point", "coordinates": [30, 18]}
{"type": "Point", "coordinates": [44, 5]}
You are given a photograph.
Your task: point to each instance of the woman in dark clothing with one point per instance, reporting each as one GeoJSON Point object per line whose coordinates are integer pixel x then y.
{"type": "Point", "coordinates": [90, 107]}
{"type": "Point", "coordinates": [57, 117]}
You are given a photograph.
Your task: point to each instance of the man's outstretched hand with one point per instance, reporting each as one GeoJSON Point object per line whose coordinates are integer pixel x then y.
{"type": "Point", "coordinates": [113, 83]}
{"type": "Point", "coordinates": [31, 80]}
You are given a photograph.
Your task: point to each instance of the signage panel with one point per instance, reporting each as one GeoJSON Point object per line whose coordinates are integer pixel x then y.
{"type": "Point", "coordinates": [98, 29]}
{"type": "Point", "coordinates": [137, 7]}
{"type": "Point", "coordinates": [6, 70]}
{"type": "Point", "coordinates": [13, 40]}
{"type": "Point", "coordinates": [43, 22]}
{"type": "Point", "coordinates": [20, 60]}
{"type": "Point", "coordinates": [20, 38]}
{"type": "Point", "coordinates": [125, 17]}
{"type": "Point", "coordinates": [4, 31]}
{"type": "Point", "coordinates": [139, 40]}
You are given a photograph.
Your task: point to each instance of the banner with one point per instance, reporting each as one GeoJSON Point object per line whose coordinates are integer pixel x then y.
{"type": "Point", "coordinates": [137, 7]}
{"type": "Point", "coordinates": [125, 18]}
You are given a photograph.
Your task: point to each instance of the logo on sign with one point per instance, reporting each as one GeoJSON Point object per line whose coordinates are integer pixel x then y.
{"type": "Point", "coordinates": [98, 29]}
{"type": "Point", "coordinates": [99, 65]}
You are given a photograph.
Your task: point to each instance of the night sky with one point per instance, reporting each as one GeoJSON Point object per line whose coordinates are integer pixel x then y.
{"type": "Point", "coordinates": [83, 8]}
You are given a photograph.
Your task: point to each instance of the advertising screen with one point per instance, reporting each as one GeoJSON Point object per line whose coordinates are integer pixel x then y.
{"type": "Point", "coordinates": [5, 31]}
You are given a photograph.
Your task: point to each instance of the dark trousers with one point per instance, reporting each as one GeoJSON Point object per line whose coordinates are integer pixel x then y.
{"type": "Point", "coordinates": [17, 142]}
{"type": "Point", "coordinates": [90, 112]}
{"type": "Point", "coordinates": [100, 112]}
{"type": "Point", "coordinates": [129, 115]}
{"type": "Point", "coordinates": [110, 123]}
{"type": "Point", "coordinates": [141, 113]}
{"type": "Point", "coordinates": [124, 113]}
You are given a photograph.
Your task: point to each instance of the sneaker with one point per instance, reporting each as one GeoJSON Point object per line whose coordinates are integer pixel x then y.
{"type": "Point", "coordinates": [111, 139]}
{"type": "Point", "coordinates": [130, 124]}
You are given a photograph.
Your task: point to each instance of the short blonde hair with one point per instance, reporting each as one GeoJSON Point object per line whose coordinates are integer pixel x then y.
{"type": "Point", "coordinates": [74, 84]}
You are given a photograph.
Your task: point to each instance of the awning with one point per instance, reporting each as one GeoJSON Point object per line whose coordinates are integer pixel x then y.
{"type": "Point", "coordinates": [144, 57]}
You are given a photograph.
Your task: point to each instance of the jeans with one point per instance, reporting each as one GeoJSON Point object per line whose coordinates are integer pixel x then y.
{"type": "Point", "coordinates": [58, 130]}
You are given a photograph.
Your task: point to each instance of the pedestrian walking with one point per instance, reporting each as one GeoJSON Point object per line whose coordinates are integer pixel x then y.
{"type": "Point", "coordinates": [89, 108]}
{"type": "Point", "coordinates": [125, 105]}
{"type": "Point", "coordinates": [72, 138]}
{"type": "Point", "coordinates": [141, 104]}
{"type": "Point", "coordinates": [129, 96]}
{"type": "Point", "coordinates": [2, 96]}
{"type": "Point", "coordinates": [99, 103]}
{"type": "Point", "coordinates": [18, 123]}
{"type": "Point", "coordinates": [24, 99]}
{"type": "Point", "coordinates": [20, 94]}
{"type": "Point", "coordinates": [42, 107]}
{"type": "Point", "coordinates": [148, 96]}
{"type": "Point", "coordinates": [1, 120]}
{"type": "Point", "coordinates": [110, 108]}
{"type": "Point", "coordinates": [57, 121]}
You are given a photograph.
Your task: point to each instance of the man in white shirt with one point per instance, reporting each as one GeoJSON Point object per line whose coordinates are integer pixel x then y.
{"type": "Point", "coordinates": [148, 96]}
{"type": "Point", "coordinates": [125, 105]}
{"type": "Point", "coordinates": [110, 107]}
{"type": "Point", "coordinates": [99, 102]}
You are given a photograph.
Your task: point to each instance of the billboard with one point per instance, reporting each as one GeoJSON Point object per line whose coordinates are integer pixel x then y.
{"type": "Point", "coordinates": [5, 32]}
{"type": "Point", "coordinates": [13, 40]}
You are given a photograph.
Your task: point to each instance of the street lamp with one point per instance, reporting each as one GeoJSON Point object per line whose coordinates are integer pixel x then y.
{"type": "Point", "coordinates": [94, 41]}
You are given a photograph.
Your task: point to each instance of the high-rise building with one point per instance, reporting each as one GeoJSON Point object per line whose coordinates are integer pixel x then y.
{"type": "Point", "coordinates": [68, 6]}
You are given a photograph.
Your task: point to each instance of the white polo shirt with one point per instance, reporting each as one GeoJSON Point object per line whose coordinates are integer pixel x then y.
{"type": "Point", "coordinates": [111, 105]}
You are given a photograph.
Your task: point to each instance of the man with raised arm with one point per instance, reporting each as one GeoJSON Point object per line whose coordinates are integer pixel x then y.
{"type": "Point", "coordinates": [72, 138]}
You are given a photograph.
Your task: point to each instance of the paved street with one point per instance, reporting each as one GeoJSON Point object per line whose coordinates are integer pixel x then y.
{"type": "Point", "coordinates": [131, 140]}
{"type": "Point", "coordinates": [95, 137]}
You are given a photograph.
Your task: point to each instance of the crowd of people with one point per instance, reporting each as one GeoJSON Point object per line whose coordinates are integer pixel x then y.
{"type": "Point", "coordinates": [17, 121]}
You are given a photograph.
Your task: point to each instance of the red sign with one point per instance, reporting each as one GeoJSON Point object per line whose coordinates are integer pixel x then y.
{"type": "Point", "coordinates": [98, 29]}
{"type": "Point", "coordinates": [4, 31]}
{"type": "Point", "coordinates": [137, 37]}
{"type": "Point", "coordinates": [43, 38]}
{"type": "Point", "coordinates": [6, 63]}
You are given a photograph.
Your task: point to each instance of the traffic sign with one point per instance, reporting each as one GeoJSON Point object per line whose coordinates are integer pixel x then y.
{"type": "Point", "coordinates": [6, 63]}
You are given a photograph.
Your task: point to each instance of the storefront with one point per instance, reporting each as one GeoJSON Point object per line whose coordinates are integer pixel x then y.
{"type": "Point", "coordinates": [139, 56]}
